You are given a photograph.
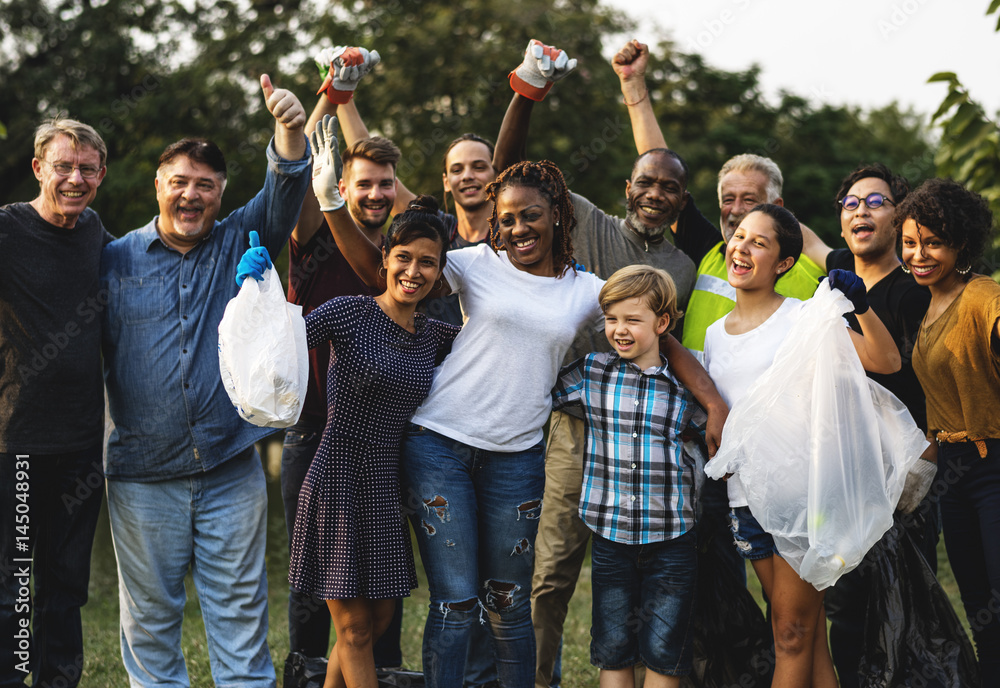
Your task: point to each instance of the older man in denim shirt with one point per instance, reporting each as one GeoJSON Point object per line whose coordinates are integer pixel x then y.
{"type": "Point", "coordinates": [185, 485]}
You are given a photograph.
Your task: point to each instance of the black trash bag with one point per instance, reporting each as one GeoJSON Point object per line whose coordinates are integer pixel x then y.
{"type": "Point", "coordinates": [310, 672]}
{"type": "Point", "coordinates": [304, 672]}
{"type": "Point", "coordinates": [913, 637]}
{"type": "Point", "coordinates": [733, 645]}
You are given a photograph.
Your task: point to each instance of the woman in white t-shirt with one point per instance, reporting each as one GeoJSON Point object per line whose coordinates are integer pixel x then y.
{"type": "Point", "coordinates": [738, 349]}
{"type": "Point", "coordinates": [472, 465]}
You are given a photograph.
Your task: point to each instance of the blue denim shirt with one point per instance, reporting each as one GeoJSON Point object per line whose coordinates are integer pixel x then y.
{"type": "Point", "coordinates": [161, 341]}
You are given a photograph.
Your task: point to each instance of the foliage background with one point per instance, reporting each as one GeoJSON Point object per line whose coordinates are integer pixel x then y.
{"type": "Point", "coordinates": [147, 72]}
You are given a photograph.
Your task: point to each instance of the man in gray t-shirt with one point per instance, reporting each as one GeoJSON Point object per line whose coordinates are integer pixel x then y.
{"type": "Point", "coordinates": [656, 193]}
{"type": "Point", "coordinates": [51, 406]}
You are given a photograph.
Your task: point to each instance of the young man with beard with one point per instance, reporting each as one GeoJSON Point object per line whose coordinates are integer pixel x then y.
{"type": "Point", "coordinates": [656, 193]}
{"type": "Point", "coordinates": [51, 406]}
{"type": "Point", "coordinates": [865, 202]}
{"type": "Point", "coordinates": [186, 488]}
{"type": "Point", "coordinates": [467, 170]}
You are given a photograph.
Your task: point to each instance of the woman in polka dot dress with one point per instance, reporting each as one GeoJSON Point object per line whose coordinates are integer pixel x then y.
{"type": "Point", "coordinates": [473, 465]}
{"type": "Point", "coordinates": [351, 546]}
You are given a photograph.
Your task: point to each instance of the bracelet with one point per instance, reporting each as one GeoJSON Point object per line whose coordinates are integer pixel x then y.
{"type": "Point", "coordinates": [644, 96]}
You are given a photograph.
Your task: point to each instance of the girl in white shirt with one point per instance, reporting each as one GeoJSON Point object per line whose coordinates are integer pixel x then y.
{"type": "Point", "coordinates": [738, 348]}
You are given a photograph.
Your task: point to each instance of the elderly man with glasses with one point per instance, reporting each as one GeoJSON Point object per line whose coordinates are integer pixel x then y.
{"type": "Point", "coordinates": [51, 406]}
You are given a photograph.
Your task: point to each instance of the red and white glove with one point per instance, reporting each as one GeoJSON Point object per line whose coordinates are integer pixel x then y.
{"type": "Point", "coordinates": [342, 68]}
{"type": "Point", "coordinates": [542, 66]}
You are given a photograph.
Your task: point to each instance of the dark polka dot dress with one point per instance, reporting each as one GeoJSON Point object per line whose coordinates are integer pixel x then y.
{"type": "Point", "coordinates": [350, 538]}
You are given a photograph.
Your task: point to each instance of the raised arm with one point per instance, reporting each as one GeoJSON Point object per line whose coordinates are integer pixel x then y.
{"type": "Point", "coordinates": [875, 346]}
{"type": "Point", "coordinates": [542, 66]}
{"type": "Point", "coordinates": [512, 141]}
{"type": "Point", "coordinates": [363, 256]}
{"type": "Point", "coordinates": [696, 379]}
{"type": "Point", "coordinates": [341, 68]}
{"type": "Point", "coordinates": [351, 124]}
{"type": "Point", "coordinates": [630, 65]}
{"type": "Point", "coordinates": [289, 120]}
{"type": "Point", "coordinates": [354, 129]}
{"type": "Point", "coordinates": [310, 217]}
{"type": "Point", "coordinates": [814, 247]}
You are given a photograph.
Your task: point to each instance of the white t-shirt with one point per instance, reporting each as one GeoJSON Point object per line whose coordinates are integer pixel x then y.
{"type": "Point", "coordinates": [493, 391]}
{"type": "Point", "coordinates": [735, 361]}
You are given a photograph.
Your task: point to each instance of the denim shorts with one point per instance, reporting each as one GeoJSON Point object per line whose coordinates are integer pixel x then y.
{"type": "Point", "coordinates": [752, 541]}
{"type": "Point", "coordinates": [643, 597]}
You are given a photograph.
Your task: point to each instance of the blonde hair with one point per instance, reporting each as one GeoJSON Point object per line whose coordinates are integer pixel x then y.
{"type": "Point", "coordinates": [79, 133]}
{"type": "Point", "coordinates": [644, 282]}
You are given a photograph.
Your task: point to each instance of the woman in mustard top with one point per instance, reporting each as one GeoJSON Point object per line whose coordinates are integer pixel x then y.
{"type": "Point", "coordinates": [944, 229]}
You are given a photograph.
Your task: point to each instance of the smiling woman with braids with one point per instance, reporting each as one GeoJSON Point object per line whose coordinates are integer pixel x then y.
{"type": "Point", "coordinates": [472, 463]}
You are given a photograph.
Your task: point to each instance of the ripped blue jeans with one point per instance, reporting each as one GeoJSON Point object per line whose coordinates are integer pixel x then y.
{"type": "Point", "coordinates": [475, 513]}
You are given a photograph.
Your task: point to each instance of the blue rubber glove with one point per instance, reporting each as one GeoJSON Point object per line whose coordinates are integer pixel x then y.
{"type": "Point", "coordinates": [853, 288]}
{"type": "Point", "coordinates": [254, 262]}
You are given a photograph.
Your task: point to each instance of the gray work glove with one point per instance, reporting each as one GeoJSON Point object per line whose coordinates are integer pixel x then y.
{"type": "Point", "coordinates": [918, 483]}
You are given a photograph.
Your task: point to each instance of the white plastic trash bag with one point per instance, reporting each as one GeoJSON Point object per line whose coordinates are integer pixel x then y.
{"type": "Point", "coordinates": [263, 355]}
{"type": "Point", "coordinates": [821, 450]}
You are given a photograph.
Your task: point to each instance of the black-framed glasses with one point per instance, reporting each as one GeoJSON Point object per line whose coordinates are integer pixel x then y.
{"type": "Point", "coordinates": [871, 201]}
{"type": "Point", "coordinates": [64, 169]}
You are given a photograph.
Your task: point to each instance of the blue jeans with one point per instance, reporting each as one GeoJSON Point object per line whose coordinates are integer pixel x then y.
{"type": "Point", "coordinates": [475, 513]}
{"type": "Point", "coordinates": [58, 515]}
{"type": "Point", "coordinates": [644, 604]}
{"type": "Point", "coordinates": [214, 524]}
{"type": "Point", "coordinates": [308, 616]}
{"type": "Point", "coordinates": [969, 487]}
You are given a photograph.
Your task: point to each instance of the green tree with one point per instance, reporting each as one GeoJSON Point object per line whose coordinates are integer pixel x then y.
{"type": "Point", "coordinates": [969, 151]}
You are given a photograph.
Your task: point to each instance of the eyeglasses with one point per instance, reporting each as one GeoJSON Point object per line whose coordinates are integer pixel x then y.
{"type": "Point", "coordinates": [64, 169]}
{"type": "Point", "coordinates": [872, 201]}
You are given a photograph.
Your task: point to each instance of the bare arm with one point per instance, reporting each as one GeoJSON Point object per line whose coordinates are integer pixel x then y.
{"type": "Point", "coordinates": [630, 64]}
{"type": "Point", "coordinates": [310, 218]}
{"type": "Point", "coordinates": [354, 129]}
{"type": "Point", "coordinates": [814, 247]}
{"type": "Point", "coordinates": [364, 257]}
{"type": "Point", "coordinates": [696, 379]}
{"type": "Point", "coordinates": [875, 346]}
{"type": "Point", "coordinates": [512, 141]}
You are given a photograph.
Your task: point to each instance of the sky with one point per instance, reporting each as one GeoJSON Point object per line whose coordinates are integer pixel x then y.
{"type": "Point", "coordinates": [857, 52]}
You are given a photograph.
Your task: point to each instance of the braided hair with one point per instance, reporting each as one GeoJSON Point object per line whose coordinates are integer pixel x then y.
{"type": "Point", "coordinates": [545, 177]}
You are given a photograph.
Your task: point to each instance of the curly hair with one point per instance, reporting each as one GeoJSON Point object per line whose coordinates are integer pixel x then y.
{"type": "Point", "coordinates": [545, 177]}
{"type": "Point", "coordinates": [960, 218]}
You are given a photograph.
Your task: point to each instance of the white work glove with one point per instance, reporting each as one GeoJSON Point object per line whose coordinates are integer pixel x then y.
{"type": "Point", "coordinates": [342, 68]}
{"type": "Point", "coordinates": [327, 166]}
{"type": "Point", "coordinates": [542, 65]}
{"type": "Point", "coordinates": [918, 483]}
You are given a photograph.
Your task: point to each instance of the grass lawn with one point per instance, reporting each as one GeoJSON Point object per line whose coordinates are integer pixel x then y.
{"type": "Point", "coordinates": [100, 616]}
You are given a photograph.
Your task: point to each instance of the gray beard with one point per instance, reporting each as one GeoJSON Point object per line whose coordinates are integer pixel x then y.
{"type": "Point", "coordinates": [648, 233]}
